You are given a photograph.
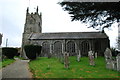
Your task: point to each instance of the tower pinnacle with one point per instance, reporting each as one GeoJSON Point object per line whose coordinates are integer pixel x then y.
{"type": "Point", "coordinates": [37, 9]}
{"type": "Point", "coordinates": [27, 11]}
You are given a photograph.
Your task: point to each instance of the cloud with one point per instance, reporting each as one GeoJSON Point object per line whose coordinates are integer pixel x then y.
{"type": "Point", "coordinates": [12, 21]}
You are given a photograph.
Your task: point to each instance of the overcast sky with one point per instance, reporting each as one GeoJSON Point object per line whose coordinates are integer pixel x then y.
{"type": "Point", "coordinates": [54, 19]}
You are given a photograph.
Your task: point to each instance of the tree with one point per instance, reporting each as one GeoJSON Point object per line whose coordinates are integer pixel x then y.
{"type": "Point", "coordinates": [9, 52]}
{"type": "Point", "coordinates": [32, 51]}
{"type": "Point", "coordinates": [97, 14]}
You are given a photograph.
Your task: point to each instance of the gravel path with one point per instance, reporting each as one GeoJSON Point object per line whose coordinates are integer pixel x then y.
{"type": "Point", "coordinates": [18, 69]}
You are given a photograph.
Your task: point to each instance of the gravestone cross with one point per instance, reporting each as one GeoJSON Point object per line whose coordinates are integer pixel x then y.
{"type": "Point", "coordinates": [91, 57]}
{"type": "Point", "coordinates": [66, 60]}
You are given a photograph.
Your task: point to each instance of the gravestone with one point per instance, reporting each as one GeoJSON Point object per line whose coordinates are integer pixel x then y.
{"type": "Point", "coordinates": [78, 56]}
{"type": "Point", "coordinates": [66, 60]}
{"type": "Point", "coordinates": [108, 58]}
{"type": "Point", "coordinates": [118, 62]}
{"type": "Point", "coordinates": [110, 62]}
{"type": "Point", "coordinates": [91, 58]}
{"type": "Point", "coordinates": [95, 54]}
{"type": "Point", "coordinates": [108, 54]}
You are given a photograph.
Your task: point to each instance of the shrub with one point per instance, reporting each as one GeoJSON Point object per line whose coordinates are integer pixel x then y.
{"type": "Point", "coordinates": [9, 52]}
{"type": "Point", "coordinates": [114, 51]}
{"type": "Point", "coordinates": [18, 54]}
{"type": "Point", "coordinates": [32, 50]}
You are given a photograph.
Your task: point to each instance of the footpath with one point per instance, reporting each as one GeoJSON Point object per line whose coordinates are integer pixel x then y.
{"type": "Point", "coordinates": [18, 70]}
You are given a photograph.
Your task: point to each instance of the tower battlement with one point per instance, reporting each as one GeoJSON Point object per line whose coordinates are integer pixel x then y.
{"type": "Point", "coordinates": [33, 24]}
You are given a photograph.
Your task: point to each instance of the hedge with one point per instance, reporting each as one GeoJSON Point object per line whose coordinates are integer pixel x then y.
{"type": "Point", "coordinates": [9, 52]}
{"type": "Point", "coordinates": [32, 50]}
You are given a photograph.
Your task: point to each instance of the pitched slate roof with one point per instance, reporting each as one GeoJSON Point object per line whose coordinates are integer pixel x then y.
{"type": "Point", "coordinates": [67, 35]}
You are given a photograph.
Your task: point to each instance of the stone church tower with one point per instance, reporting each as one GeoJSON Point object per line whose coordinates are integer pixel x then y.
{"type": "Point", "coordinates": [33, 24]}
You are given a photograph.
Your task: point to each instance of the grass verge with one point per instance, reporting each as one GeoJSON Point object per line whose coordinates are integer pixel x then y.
{"type": "Point", "coordinates": [19, 57]}
{"type": "Point", "coordinates": [6, 62]}
{"type": "Point", "coordinates": [52, 68]}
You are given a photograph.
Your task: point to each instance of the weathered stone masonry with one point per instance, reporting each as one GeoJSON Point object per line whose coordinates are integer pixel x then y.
{"type": "Point", "coordinates": [58, 43]}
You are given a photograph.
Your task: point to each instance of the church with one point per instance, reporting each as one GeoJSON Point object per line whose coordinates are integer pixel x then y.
{"type": "Point", "coordinates": [60, 42]}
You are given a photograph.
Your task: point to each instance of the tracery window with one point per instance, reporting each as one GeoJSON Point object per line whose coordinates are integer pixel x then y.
{"type": "Point", "coordinates": [57, 47]}
{"type": "Point", "coordinates": [85, 48]}
{"type": "Point", "coordinates": [45, 48]}
{"type": "Point", "coordinates": [71, 47]}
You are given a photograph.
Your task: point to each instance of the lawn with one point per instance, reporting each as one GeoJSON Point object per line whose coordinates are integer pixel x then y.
{"type": "Point", "coordinates": [43, 67]}
{"type": "Point", "coordinates": [6, 62]}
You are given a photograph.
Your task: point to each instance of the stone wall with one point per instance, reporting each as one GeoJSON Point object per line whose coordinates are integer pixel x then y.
{"type": "Point", "coordinates": [55, 47]}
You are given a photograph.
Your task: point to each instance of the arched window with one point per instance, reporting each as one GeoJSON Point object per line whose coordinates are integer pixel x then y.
{"type": "Point", "coordinates": [57, 47]}
{"type": "Point", "coordinates": [45, 48]}
{"type": "Point", "coordinates": [84, 48]}
{"type": "Point", "coordinates": [71, 47]}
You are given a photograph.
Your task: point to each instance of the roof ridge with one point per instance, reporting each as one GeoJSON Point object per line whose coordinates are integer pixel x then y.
{"type": "Point", "coordinates": [69, 35]}
{"type": "Point", "coordinates": [71, 32]}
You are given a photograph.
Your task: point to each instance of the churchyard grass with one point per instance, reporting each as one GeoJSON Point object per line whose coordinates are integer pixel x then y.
{"type": "Point", "coordinates": [43, 67]}
{"type": "Point", "coordinates": [6, 62]}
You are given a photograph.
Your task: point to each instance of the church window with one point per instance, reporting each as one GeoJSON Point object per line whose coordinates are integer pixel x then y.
{"type": "Point", "coordinates": [57, 47]}
{"type": "Point", "coordinates": [71, 47]}
{"type": "Point", "coordinates": [84, 48]}
{"type": "Point", "coordinates": [45, 48]}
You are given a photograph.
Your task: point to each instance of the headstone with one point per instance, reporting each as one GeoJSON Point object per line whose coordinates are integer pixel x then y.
{"type": "Point", "coordinates": [118, 62]}
{"type": "Point", "coordinates": [108, 54]}
{"type": "Point", "coordinates": [95, 54]}
{"type": "Point", "coordinates": [110, 62]}
{"type": "Point", "coordinates": [91, 58]}
{"type": "Point", "coordinates": [66, 60]}
{"type": "Point", "coordinates": [78, 56]}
